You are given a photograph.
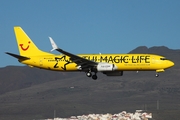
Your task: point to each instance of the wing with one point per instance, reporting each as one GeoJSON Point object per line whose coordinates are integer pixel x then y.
{"type": "Point", "coordinates": [80, 61]}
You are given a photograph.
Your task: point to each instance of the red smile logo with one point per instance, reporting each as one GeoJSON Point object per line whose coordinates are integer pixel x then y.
{"type": "Point", "coordinates": [24, 49]}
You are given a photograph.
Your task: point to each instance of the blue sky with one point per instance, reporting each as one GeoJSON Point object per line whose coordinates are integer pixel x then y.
{"type": "Point", "coordinates": [90, 26]}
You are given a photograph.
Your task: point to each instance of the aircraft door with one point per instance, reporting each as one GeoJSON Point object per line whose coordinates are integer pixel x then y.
{"type": "Point", "coordinates": [41, 62]}
{"type": "Point", "coordinates": [153, 59]}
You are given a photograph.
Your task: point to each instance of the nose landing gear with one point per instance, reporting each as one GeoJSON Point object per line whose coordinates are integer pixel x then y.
{"type": "Point", "coordinates": [157, 75]}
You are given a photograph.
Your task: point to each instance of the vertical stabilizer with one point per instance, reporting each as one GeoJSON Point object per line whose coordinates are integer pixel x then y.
{"type": "Point", "coordinates": [25, 44]}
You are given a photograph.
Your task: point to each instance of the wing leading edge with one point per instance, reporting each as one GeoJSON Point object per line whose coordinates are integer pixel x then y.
{"type": "Point", "coordinates": [83, 63]}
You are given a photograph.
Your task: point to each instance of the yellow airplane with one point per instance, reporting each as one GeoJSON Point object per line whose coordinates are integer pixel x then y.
{"type": "Point", "coordinates": [109, 64]}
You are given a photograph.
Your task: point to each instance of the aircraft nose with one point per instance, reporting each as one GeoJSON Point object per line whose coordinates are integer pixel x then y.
{"type": "Point", "coordinates": [170, 63]}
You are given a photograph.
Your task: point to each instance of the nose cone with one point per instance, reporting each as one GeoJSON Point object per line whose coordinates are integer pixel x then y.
{"type": "Point", "coordinates": [170, 63]}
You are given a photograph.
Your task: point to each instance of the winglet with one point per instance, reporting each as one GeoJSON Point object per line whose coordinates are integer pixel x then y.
{"type": "Point", "coordinates": [54, 46]}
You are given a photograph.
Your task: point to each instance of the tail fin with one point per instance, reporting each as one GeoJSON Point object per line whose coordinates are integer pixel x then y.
{"type": "Point", "coordinates": [25, 44]}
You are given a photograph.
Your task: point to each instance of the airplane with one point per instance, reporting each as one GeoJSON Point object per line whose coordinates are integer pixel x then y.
{"type": "Point", "coordinates": [91, 64]}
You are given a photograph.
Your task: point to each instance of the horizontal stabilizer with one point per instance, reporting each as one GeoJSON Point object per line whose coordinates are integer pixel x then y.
{"type": "Point", "coordinates": [18, 56]}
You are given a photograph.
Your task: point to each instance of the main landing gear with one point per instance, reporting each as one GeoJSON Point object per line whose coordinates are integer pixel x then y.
{"type": "Point", "coordinates": [89, 74]}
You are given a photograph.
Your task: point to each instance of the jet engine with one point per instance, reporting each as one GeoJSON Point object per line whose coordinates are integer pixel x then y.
{"type": "Point", "coordinates": [106, 67]}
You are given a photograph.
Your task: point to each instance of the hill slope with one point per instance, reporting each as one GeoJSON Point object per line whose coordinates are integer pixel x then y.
{"type": "Point", "coordinates": [31, 93]}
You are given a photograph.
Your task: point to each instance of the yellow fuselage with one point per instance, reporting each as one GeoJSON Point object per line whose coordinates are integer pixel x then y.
{"type": "Point", "coordinates": [109, 64]}
{"type": "Point", "coordinates": [124, 62]}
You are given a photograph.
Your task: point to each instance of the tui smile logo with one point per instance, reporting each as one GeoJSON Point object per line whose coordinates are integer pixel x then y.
{"type": "Point", "coordinates": [23, 48]}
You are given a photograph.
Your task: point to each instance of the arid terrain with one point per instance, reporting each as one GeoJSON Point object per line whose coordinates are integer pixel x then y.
{"type": "Point", "coordinates": [32, 93]}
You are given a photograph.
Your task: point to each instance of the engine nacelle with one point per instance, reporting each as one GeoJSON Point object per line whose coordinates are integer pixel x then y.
{"type": "Point", "coordinates": [106, 67]}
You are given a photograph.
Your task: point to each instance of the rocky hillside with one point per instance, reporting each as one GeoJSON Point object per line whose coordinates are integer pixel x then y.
{"type": "Point", "coordinates": [31, 93]}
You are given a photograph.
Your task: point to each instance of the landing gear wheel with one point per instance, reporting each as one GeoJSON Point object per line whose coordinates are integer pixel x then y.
{"type": "Point", "coordinates": [157, 75]}
{"type": "Point", "coordinates": [94, 77]}
{"type": "Point", "coordinates": [89, 74]}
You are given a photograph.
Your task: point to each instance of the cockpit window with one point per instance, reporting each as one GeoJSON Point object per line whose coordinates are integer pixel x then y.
{"type": "Point", "coordinates": [163, 59]}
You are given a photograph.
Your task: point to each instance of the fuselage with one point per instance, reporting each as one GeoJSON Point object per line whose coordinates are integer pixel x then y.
{"type": "Point", "coordinates": [91, 64]}
{"type": "Point", "coordinates": [124, 62]}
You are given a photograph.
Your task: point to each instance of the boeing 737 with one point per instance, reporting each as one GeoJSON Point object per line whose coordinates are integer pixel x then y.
{"type": "Point", "coordinates": [91, 64]}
